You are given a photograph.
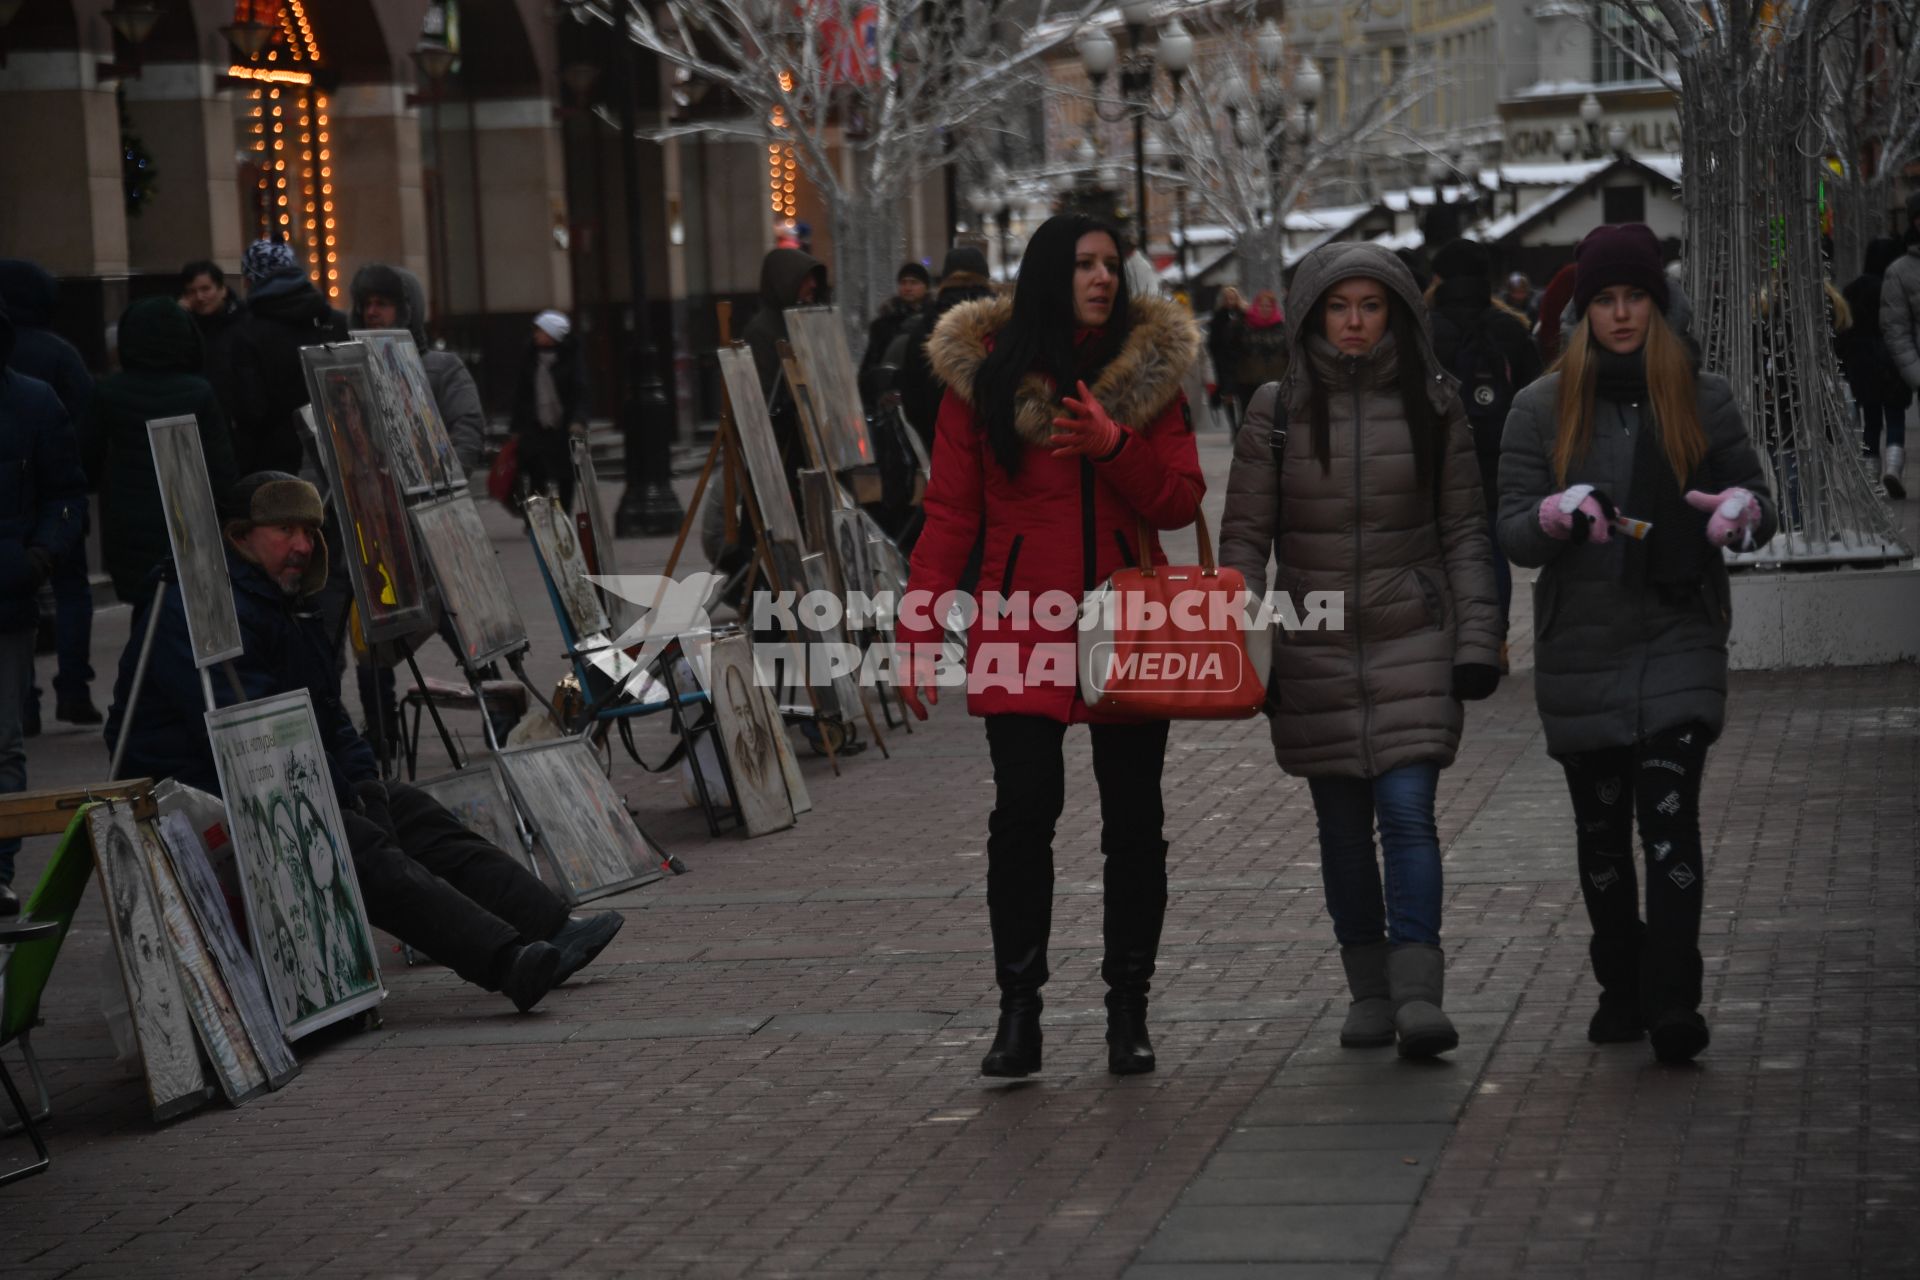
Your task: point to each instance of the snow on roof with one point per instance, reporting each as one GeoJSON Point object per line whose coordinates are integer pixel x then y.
{"type": "Point", "coordinates": [1327, 218]}
{"type": "Point", "coordinates": [1502, 226]}
{"type": "Point", "coordinates": [1552, 173]}
{"type": "Point", "coordinates": [1411, 238]}
{"type": "Point", "coordinates": [1667, 166]}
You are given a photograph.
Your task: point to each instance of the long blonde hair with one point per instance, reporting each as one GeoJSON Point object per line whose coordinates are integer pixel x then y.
{"type": "Point", "coordinates": [1669, 392]}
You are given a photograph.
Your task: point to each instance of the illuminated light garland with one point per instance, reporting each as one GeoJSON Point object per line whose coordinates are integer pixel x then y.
{"type": "Point", "coordinates": [269, 75]}
{"type": "Point", "coordinates": [275, 147]}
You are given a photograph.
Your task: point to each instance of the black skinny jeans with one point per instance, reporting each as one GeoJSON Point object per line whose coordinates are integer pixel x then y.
{"type": "Point", "coordinates": [440, 888]}
{"type": "Point", "coordinates": [1030, 788]}
{"type": "Point", "coordinates": [1657, 780]}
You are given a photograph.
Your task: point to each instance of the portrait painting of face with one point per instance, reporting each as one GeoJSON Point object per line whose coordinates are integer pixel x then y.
{"type": "Point", "coordinates": [193, 533]}
{"type": "Point", "coordinates": [477, 796]}
{"type": "Point", "coordinates": [581, 825]}
{"type": "Point", "coordinates": [388, 585]}
{"type": "Point", "coordinates": [486, 620]}
{"type": "Point", "coordinates": [422, 452]}
{"type": "Point", "coordinates": [559, 546]}
{"type": "Point", "coordinates": [309, 924]}
{"type": "Point", "coordinates": [175, 1082]}
{"type": "Point", "coordinates": [747, 737]}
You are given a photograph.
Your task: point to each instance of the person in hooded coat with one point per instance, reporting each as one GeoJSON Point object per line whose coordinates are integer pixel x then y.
{"type": "Point", "coordinates": [1880, 394]}
{"type": "Point", "coordinates": [963, 278]}
{"type": "Point", "coordinates": [1900, 328]}
{"type": "Point", "coordinates": [389, 297]}
{"type": "Point", "coordinates": [1630, 633]}
{"type": "Point", "coordinates": [910, 301]}
{"type": "Point", "coordinates": [550, 406]}
{"type": "Point", "coordinates": [284, 314]}
{"type": "Point", "coordinates": [1377, 500]}
{"type": "Point", "coordinates": [32, 297]}
{"type": "Point", "coordinates": [160, 364]}
{"type": "Point", "coordinates": [1063, 430]}
{"type": "Point", "coordinates": [43, 500]}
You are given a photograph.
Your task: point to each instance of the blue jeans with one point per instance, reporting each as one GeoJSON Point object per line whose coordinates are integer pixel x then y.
{"type": "Point", "coordinates": [1410, 844]}
{"type": "Point", "coordinates": [16, 673]}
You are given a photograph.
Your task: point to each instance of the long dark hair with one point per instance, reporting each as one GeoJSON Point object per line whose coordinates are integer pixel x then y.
{"type": "Point", "coordinates": [1039, 338]}
{"type": "Point", "coordinates": [1425, 428]}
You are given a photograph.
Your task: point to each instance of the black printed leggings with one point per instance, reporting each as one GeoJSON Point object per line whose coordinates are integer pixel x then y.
{"type": "Point", "coordinates": [1657, 780]}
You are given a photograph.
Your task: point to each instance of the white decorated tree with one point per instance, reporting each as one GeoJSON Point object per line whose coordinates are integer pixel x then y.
{"type": "Point", "coordinates": [1757, 107]}
{"type": "Point", "coordinates": [867, 95]}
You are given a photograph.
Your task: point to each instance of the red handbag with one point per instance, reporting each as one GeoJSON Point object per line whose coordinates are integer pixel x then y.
{"type": "Point", "coordinates": [505, 472]}
{"type": "Point", "coordinates": [1174, 642]}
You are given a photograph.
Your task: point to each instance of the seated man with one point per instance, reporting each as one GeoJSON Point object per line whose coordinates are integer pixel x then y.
{"type": "Point", "coordinates": [425, 878]}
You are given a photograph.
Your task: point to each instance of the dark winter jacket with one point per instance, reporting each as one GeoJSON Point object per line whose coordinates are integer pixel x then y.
{"type": "Point", "coordinates": [1409, 558]}
{"type": "Point", "coordinates": [270, 384]}
{"type": "Point", "coordinates": [1618, 662]}
{"type": "Point", "coordinates": [1900, 312]}
{"type": "Point", "coordinates": [920, 390]}
{"type": "Point", "coordinates": [1863, 352]}
{"type": "Point", "coordinates": [781, 274]}
{"type": "Point", "coordinates": [893, 317]}
{"type": "Point", "coordinates": [454, 391]}
{"type": "Point", "coordinates": [569, 380]}
{"type": "Point", "coordinates": [285, 650]}
{"type": "Point", "coordinates": [1223, 343]}
{"type": "Point", "coordinates": [43, 491]}
{"type": "Point", "coordinates": [31, 296]}
{"type": "Point", "coordinates": [1062, 524]}
{"type": "Point", "coordinates": [218, 333]}
{"type": "Point", "coordinates": [1467, 320]}
{"type": "Point", "coordinates": [160, 365]}
{"type": "Point", "coordinates": [1259, 354]}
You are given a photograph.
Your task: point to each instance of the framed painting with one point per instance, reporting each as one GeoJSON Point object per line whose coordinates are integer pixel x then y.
{"type": "Point", "coordinates": [477, 796]}
{"type": "Point", "coordinates": [388, 586]}
{"type": "Point", "coordinates": [422, 452]}
{"type": "Point", "coordinates": [304, 910]}
{"type": "Point", "coordinates": [748, 737]}
{"type": "Point", "coordinates": [186, 855]}
{"type": "Point", "coordinates": [193, 531]}
{"type": "Point", "coordinates": [820, 344]}
{"type": "Point", "coordinates": [622, 612]}
{"type": "Point", "coordinates": [845, 693]}
{"type": "Point", "coordinates": [555, 538]}
{"type": "Point", "coordinates": [486, 621]}
{"type": "Point", "coordinates": [156, 998]}
{"type": "Point", "coordinates": [765, 472]}
{"type": "Point", "coordinates": [850, 551]}
{"type": "Point", "coordinates": [235, 1065]}
{"type": "Point", "coordinates": [581, 826]}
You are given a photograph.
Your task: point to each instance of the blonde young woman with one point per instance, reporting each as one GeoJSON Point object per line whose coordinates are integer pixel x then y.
{"type": "Point", "coordinates": [1630, 633]}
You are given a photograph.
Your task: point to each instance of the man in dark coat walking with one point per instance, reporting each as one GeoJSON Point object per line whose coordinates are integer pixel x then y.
{"type": "Point", "coordinates": [32, 296]}
{"type": "Point", "coordinates": [284, 313]}
{"type": "Point", "coordinates": [43, 501]}
{"type": "Point", "coordinates": [425, 878]}
{"type": "Point", "coordinates": [912, 282]}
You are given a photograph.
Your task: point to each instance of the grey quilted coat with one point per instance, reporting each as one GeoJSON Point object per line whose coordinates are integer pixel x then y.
{"type": "Point", "coordinates": [1900, 313]}
{"type": "Point", "coordinates": [1413, 563]}
{"type": "Point", "coordinates": [1616, 663]}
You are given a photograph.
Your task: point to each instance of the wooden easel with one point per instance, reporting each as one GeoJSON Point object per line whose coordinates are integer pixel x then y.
{"type": "Point", "coordinates": [48, 813]}
{"type": "Point", "coordinates": [726, 450]}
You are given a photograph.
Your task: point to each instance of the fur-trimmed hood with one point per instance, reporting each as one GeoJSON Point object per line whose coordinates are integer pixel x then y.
{"type": "Point", "coordinates": [1134, 388]}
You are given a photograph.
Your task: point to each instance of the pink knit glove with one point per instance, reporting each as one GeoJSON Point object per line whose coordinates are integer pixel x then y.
{"type": "Point", "coordinates": [1735, 515]}
{"type": "Point", "coordinates": [1577, 513]}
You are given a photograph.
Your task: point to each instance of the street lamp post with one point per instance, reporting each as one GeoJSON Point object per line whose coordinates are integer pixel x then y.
{"type": "Point", "coordinates": [1173, 52]}
{"type": "Point", "coordinates": [1257, 121]}
{"type": "Point", "coordinates": [649, 506]}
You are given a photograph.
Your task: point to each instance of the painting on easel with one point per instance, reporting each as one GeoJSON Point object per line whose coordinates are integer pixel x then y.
{"type": "Point", "coordinates": [193, 532]}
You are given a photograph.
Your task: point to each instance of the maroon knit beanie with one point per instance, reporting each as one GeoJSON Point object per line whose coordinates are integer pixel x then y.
{"type": "Point", "coordinates": [1626, 253]}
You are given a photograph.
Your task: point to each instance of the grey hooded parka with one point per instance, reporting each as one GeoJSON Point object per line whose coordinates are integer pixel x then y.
{"type": "Point", "coordinates": [1413, 561]}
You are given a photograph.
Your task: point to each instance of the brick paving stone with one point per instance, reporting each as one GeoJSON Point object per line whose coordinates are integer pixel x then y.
{"type": "Point", "coordinates": [771, 1071]}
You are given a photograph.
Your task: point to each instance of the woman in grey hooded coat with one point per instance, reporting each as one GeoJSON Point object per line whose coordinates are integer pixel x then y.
{"type": "Point", "coordinates": [1631, 622]}
{"type": "Point", "coordinates": [1377, 500]}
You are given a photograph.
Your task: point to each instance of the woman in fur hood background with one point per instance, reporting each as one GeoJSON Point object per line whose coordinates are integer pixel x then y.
{"type": "Point", "coordinates": [1062, 430]}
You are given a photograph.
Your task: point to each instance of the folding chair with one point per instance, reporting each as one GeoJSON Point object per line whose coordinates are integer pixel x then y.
{"type": "Point", "coordinates": [24, 973]}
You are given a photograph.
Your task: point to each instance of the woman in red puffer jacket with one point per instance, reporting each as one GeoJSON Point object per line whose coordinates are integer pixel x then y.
{"type": "Point", "coordinates": [1062, 430]}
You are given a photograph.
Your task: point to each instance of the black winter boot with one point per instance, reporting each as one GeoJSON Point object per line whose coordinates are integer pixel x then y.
{"type": "Point", "coordinates": [1616, 963]}
{"type": "Point", "coordinates": [1016, 1043]}
{"type": "Point", "coordinates": [1670, 998]}
{"type": "Point", "coordinates": [1134, 909]}
{"type": "Point", "coordinates": [1021, 923]}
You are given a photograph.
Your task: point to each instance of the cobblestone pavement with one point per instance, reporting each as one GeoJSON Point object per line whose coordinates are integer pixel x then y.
{"type": "Point", "coordinates": [772, 1070]}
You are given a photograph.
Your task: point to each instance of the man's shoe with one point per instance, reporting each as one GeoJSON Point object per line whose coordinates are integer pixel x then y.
{"type": "Point", "coordinates": [581, 939]}
{"type": "Point", "coordinates": [530, 974]}
{"type": "Point", "coordinates": [9, 901]}
{"type": "Point", "coordinates": [80, 712]}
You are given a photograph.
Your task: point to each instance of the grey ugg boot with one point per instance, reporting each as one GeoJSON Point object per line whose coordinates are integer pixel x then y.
{"type": "Point", "coordinates": [1416, 972]}
{"type": "Point", "coordinates": [1890, 469]}
{"type": "Point", "coordinates": [1369, 1023]}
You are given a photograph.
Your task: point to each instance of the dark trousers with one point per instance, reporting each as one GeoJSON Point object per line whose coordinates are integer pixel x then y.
{"type": "Point", "coordinates": [1875, 416]}
{"type": "Point", "coordinates": [72, 629]}
{"type": "Point", "coordinates": [440, 888]}
{"type": "Point", "coordinates": [1657, 782]}
{"type": "Point", "coordinates": [1029, 783]}
{"type": "Point", "coordinates": [546, 458]}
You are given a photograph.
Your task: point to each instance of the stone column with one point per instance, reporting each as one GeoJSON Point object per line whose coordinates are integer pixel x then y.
{"type": "Point", "coordinates": [189, 129]}
{"type": "Point", "coordinates": [379, 203]}
{"type": "Point", "coordinates": [503, 161]}
{"type": "Point", "coordinates": [60, 165]}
